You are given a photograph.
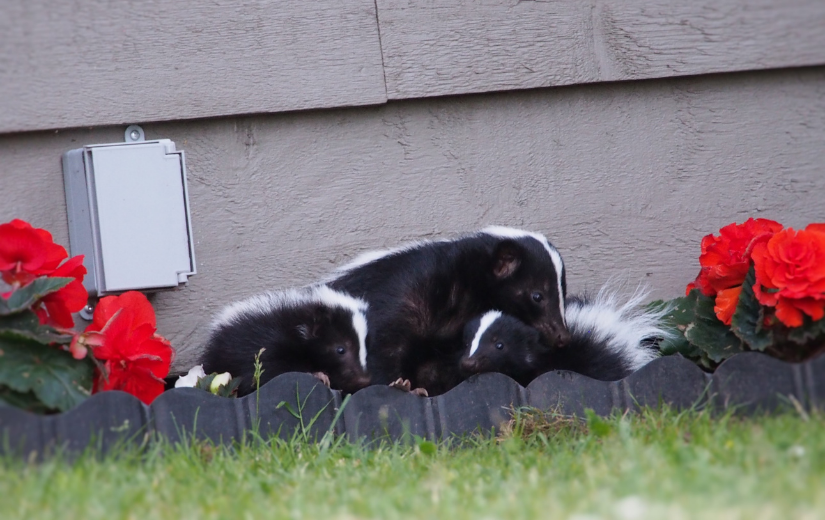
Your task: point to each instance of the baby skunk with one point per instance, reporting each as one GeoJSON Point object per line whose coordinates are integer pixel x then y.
{"type": "Point", "coordinates": [313, 329]}
{"type": "Point", "coordinates": [608, 341]}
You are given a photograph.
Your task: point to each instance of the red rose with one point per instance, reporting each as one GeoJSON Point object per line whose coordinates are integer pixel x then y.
{"type": "Point", "coordinates": [790, 274]}
{"type": "Point", "coordinates": [123, 336]}
{"type": "Point", "coordinates": [725, 259]}
{"type": "Point", "coordinates": [27, 252]}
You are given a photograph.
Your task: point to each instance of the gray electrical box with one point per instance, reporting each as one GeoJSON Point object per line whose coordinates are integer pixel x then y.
{"type": "Point", "coordinates": [128, 212]}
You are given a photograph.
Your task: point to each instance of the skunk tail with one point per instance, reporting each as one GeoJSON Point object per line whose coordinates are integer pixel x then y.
{"type": "Point", "coordinates": [611, 340]}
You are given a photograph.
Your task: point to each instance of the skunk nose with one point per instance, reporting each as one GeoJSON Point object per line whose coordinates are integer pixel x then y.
{"type": "Point", "coordinates": [469, 366]}
{"type": "Point", "coordinates": [562, 337]}
{"type": "Point", "coordinates": [556, 335]}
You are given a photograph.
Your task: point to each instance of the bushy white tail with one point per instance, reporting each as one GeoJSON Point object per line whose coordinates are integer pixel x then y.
{"type": "Point", "coordinates": [622, 328]}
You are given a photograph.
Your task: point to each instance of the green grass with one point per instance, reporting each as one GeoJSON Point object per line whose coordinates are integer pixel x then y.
{"type": "Point", "coordinates": [660, 464]}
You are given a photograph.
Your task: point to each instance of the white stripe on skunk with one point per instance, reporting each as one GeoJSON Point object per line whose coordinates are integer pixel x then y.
{"type": "Point", "coordinates": [486, 321]}
{"type": "Point", "coordinates": [507, 232]}
{"type": "Point", "coordinates": [496, 231]}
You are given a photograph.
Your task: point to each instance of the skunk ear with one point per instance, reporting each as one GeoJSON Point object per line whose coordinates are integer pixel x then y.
{"type": "Point", "coordinates": [507, 259]}
{"type": "Point", "coordinates": [304, 331]}
{"type": "Point", "coordinates": [321, 316]}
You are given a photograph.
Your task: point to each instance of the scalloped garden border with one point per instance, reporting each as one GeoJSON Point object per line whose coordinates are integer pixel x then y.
{"type": "Point", "coordinates": [750, 382]}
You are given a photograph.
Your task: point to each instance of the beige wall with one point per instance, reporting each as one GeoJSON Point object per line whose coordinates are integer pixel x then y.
{"type": "Point", "coordinates": [105, 62]}
{"type": "Point", "coordinates": [624, 178]}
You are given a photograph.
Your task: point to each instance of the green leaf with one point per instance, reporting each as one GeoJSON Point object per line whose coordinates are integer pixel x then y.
{"type": "Point", "coordinates": [749, 317]}
{"type": "Point", "coordinates": [682, 310]}
{"type": "Point", "coordinates": [697, 333]}
{"type": "Point", "coordinates": [231, 390]}
{"type": "Point", "coordinates": [205, 382]}
{"type": "Point", "coordinates": [26, 325]}
{"type": "Point", "coordinates": [678, 344]}
{"type": "Point", "coordinates": [25, 297]}
{"type": "Point", "coordinates": [705, 361]}
{"type": "Point", "coordinates": [57, 379]}
{"type": "Point", "coordinates": [809, 331]}
{"type": "Point", "coordinates": [23, 400]}
{"type": "Point", "coordinates": [709, 334]}
{"type": "Point", "coordinates": [681, 314]}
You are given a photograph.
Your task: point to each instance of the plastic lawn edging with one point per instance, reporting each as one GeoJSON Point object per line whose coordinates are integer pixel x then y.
{"type": "Point", "coordinates": [748, 382]}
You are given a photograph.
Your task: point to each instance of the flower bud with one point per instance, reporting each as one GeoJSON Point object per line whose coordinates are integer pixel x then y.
{"type": "Point", "coordinates": [81, 343]}
{"type": "Point", "coordinates": [218, 381]}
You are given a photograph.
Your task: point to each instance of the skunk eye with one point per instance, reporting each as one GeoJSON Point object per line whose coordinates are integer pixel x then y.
{"type": "Point", "coordinates": [537, 297]}
{"type": "Point", "coordinates": [340, 350]}
{"type": "Point", "coordinates": [499, 345]}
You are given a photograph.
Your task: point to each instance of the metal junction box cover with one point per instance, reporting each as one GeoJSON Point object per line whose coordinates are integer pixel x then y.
{"type": "Point", "coordinates": [128, 212]}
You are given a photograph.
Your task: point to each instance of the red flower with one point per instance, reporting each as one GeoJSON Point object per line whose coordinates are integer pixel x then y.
{"type": "Point", "coordinates": [726, 301]}
{"type": "Point", "coordinates": [27, 252]}
{"type": "Point", "coordinates": [140, 311]}
{"type": "Point", "coordinates": [122, 335]}
{"type": "Point", "coordinates": [725, 259]}
{"type": "Point", "coordinates": [790, 274]}
{"type": "Point", "coordinates": [57, 308]}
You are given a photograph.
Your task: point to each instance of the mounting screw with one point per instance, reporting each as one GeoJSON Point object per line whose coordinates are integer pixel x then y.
{"type": "Point", "coordinates": [134, 134]}
{"type": "Point", "coordinates": [87, 312]}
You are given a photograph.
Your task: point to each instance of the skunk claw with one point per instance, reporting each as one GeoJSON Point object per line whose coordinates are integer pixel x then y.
{"type": "Point", "coordinates": [420, 392]}
{"type": "Point", "coordinates": [406, 386]}
{"type": "Point", "coordinates": [401, 384]}
{"type": "Point", "coordinates": [322, 377]}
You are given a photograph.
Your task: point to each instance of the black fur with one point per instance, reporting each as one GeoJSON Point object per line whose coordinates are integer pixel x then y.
{"type": "Point", "coordinates": [523, 356]}
{"type": "Point", "coordinates": [421, 298]}
{"type": "Point", "coordinates": [303, 337]}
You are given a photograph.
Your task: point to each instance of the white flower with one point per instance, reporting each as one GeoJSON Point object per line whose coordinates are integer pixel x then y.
{"type": "Point", "coordinates": [220, 379]}
{"type": "Point", "coordinates": [191, 378]}
{"type": "Point", "coordinates": [630, 508]}
{"type": "Point", "coordinates": [796, 451]}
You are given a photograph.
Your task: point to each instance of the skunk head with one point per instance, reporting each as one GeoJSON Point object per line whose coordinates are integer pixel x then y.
{"type": "Point", "coordinates": [529, 282]}
{"type": "Point", "coordinates": [333, 331]}
{"type": "Point", "coordinates": [496, 342]}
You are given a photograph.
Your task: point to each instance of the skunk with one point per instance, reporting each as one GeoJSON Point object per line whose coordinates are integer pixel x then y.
{"type": "Point", "coordinates": [422, 295]}
{"type": "Point", "coordinates": [314, 329]}
{"type": "Point", "coordinates": [607, 341]}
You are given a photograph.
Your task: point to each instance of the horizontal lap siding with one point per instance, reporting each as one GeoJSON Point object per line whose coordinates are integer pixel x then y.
{"type": "Point", "coordinates": [459, 46]}
{"type": "Point", "coordinates": [98, 62]}
{"type": "Point", "coordinates": [625, 178]}
{"type": "Point", "coordinates": [102, 62]}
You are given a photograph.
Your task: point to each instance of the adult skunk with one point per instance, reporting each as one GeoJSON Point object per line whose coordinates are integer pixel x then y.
{"type": "Point", "coordinates": [422, 295]}
{"type": "Point", "coordinates": [607, 341]}
{"type": "Point", "coordinates": [313, 329]}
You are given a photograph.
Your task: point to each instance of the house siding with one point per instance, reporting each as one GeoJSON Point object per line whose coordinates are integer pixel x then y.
{"type": "Point", "coordinates": [625, 178]}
